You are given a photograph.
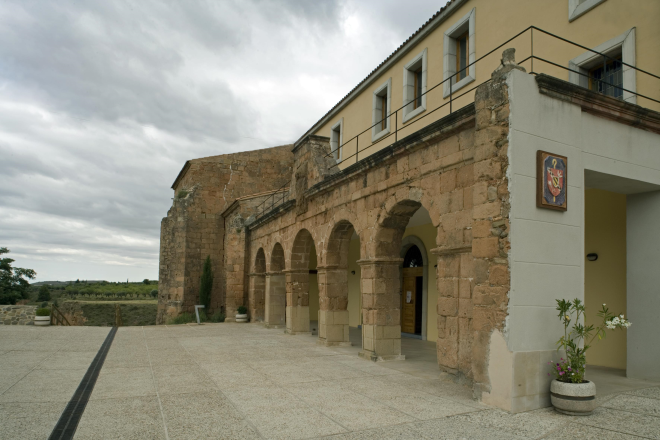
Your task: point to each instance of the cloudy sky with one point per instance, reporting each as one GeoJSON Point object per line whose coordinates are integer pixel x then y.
{"type": "Point", "coordinates": [102, 102]}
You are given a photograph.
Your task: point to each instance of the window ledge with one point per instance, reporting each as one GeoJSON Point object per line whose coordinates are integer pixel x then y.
{"type": "Point", "coordinates": [458, 86]}
{"type": "Point", "coordinates": [380, 134]}
{"type": "Point", "coordinates": [412, 113]}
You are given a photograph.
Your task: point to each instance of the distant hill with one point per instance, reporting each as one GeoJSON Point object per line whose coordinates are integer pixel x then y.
{"type": "Point", "coordinates": [66, 283]}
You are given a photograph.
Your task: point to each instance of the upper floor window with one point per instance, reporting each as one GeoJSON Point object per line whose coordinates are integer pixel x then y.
{"type": "Point", "coordinates": [462, 43]}
{"type": "Point", "coordinates": [577, 8]}
{"type": "Point", "coordinates": [608, 78]}
{"type": "Point", "coordinates": [414, 86]}
{"type": "Point", "coordinates": [381, 111]}
{"type": "Point", "coordinates": [608, 74]}
{"type": "Point", "coordinates": [337, 139]}
{"type": "Point", "coordinates": [459, 54]}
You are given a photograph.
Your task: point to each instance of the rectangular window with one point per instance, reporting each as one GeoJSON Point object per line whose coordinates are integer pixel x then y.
{"type": "Point", "coordinates": [418, 89]}
{"type": "Point", "coordinates": [462, 45]}
{"type": "Point", "coordinates": [381, 111]}
{"type": "Point", "coordinates": [459, 54]}
{"type": "Point", "coordinates": [336, 139]}
{"type": "Point", "coordinates": [608, 79]}
{"type": "Point", "coordinates": [592, 70]}
{"type": "Point", "coordinates": [414, 86]}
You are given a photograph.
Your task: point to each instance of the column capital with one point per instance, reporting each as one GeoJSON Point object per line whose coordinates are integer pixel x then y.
{"type": "Point", "coordinates": [380, 260]}
{"type": "Point", "coordinates": [439, 251]}
{"type": "Point", "coordinates": [296, 271]}
{"type": "Point", "coordinates": [330, 267]}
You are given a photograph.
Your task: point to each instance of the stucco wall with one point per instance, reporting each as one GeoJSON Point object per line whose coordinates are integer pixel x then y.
{"type": "Point", "coordinates": [605, 278]}
{"type": "Point", "coordinates": [643, 300]}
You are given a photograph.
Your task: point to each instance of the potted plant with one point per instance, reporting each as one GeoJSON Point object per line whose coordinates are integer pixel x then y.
{"type": "Point", "coordinates": [241, 315]}
{"type": "Point", "coordinates": [42, 316]}
{"type": "Point", "coordinates": [570, 392]}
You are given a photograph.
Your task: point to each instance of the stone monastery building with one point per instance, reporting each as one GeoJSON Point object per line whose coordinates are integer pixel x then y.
{"type": "Point", "coordinates": [452, 196]}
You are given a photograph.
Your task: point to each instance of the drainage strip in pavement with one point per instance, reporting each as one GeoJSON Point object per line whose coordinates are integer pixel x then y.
{"type": "Point", "coordinates": [68, 422]}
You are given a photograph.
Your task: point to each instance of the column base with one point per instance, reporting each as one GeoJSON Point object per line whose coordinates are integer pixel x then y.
{"type": "Point", "coordinates": [293, 333]}
{"type": "Point", "coordinates": [373, 357]}
{"type": "Point", "coordinates": [333, 344]}
{"type": "Point", "coordinates": [230, 319]}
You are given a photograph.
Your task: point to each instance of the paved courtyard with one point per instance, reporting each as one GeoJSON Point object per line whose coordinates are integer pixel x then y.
{"type": "Point", "coordinates": [245, 381]}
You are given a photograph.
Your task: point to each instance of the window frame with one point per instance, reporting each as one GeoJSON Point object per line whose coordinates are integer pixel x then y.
{"type": "Point", "coordinates": [337, 148]}
{"type": "Point", "coordinates": [377, 130]}
{"type": "Point", "coordinates": [623, 44]}
{"type": "Point", "coordinates": [467, 23]}
{"type": "Point", "coordinates": [411, 109]}
{"type": "Point", "coordinates": [577, 9]}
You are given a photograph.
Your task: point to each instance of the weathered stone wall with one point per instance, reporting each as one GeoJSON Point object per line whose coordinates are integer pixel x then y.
{"type": "Point", "coordinates": [17, 315]}
{"type": "Point", "coordinates": [456, 169]}
{"type": "Point", "coordinates": [194, 228]}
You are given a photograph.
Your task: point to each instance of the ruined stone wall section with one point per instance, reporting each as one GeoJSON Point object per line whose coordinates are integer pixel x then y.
{"type": "Point", "coordinates": [194, 228]}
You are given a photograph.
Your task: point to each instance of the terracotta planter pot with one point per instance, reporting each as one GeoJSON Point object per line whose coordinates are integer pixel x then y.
{"type": "Point", "coordinates": [241, 318]}
{"type": "Point", "coordinates": [575, 399]}
{"type": "Point", "coordinates": [42, 320]}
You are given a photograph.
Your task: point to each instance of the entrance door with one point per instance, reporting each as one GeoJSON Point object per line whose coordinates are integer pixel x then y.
{"type": "Point", "coordinates": [411, 292]}
{"type": "Point", "coordinates": [411, 309]}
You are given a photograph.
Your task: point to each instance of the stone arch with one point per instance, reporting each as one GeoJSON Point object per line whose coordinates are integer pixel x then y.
{"type": "Point", "coordinates": [275, 301]}
{"type": "Point", "coordinates": [381, 278]}
{"type": "Point", "coordinates": [257, 288]}
{"type": "Point", "coordinates": [333, 286]}
{"type": "Point", "coordinates": [297, 284]}
{"type": "Point", "coordinates": [277, 260]}
{"type": "Point", "coordinates": [260, 261]}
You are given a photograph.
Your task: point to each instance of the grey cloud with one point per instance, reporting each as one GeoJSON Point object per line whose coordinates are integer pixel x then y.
{"type": "Point", "coordinates": [102, 102]}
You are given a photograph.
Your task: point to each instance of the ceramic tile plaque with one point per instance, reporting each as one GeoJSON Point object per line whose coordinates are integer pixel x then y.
{"type": "Point", "coordinates": [551, 181]}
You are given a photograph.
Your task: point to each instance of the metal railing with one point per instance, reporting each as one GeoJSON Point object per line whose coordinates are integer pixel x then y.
{"type": "Point", "coordinates": [274, 200]}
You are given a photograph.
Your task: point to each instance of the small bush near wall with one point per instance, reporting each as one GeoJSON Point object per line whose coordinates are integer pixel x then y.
{"type": "Point", "coordinates": [183, 318]}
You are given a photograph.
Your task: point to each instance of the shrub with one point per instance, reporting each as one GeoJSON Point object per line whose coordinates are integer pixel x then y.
{"type": "Point", "coordinates": [218, 316]}
{"type": "Point", "coordinates": [43, 311]}
{"type": "Point", "coordinates": [242, 310]}
{"type": "Point", "coordinates": [145, 281]}
{"type": "Point", "coordinates": [44, 294]}
{"type": "Point", "coordinates": [154, 293]}
{"type": "Point", "coordinates": [44, 305]}
{"type": "Point", "coordinates": [182, 194]}
{"type": "Point", "coordinates": [183, 318]}
{"type": "Point", "coordinates": [206, 284]}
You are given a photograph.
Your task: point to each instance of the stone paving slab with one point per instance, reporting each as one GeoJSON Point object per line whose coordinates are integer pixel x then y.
{"type": "Point", "coordinates": [246, 382]}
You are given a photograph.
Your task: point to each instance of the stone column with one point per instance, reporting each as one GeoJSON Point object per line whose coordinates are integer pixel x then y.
{"type": "Point", "coordinates": [381, 315]}
{"type": "Point", "coordinates": [257, 297]}
{"type": "Point", "coordinates": [333, 302]}
{"type": "Point", "coordinates": [275, 300]}
{"type": "Point", "coordinates": [455, 281]}
{"type": "Point", "coordinates": [297, 301]}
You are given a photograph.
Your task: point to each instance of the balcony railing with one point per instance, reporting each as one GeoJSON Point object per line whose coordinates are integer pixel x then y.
{"type": "Point", "coordinates": [545, 48]}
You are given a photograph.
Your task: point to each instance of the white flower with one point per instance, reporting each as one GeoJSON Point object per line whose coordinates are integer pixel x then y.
{"type": "Point", "coordinates": [621, 316]}
{"type": "Point", "coordinates": [616, 320]}
{"type": "Point", "coordinates": [603, 303]}
{"type": "Point", "coordinates": [610, 325]}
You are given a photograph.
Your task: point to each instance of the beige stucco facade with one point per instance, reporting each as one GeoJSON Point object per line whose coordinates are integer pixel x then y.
{"type": "Point", "coordinates": [495, 23]}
